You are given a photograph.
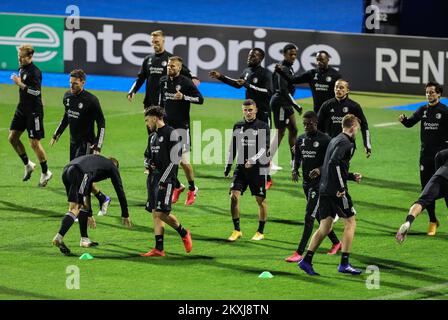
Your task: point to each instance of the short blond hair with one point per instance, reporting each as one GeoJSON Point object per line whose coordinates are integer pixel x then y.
{"type": "Point", "coordinates": [157, 33]}
{"type": "Point", "coordinates": [176, 58]}
{"type": "Point", "coordinates": [27, 49]}
{"type": "Point", "coordinates": [349, 121]}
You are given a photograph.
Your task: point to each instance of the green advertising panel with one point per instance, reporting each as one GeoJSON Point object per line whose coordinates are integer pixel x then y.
{"type": "Point", "coordinates": [44, 33]}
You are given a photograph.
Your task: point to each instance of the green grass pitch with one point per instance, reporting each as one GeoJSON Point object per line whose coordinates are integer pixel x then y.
{"type": "Point", "coordinates": [30, 268]}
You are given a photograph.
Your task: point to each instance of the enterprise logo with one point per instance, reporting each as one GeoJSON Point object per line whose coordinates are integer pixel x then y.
{"type": "Point", "coordinates": [51, 40]}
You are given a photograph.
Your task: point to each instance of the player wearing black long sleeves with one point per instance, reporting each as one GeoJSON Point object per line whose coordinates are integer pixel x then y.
{"type": "Point", "coordinates": [334, 198]}
{"type": "Point", "coordinates": [333, 111]}
{"type": "Point", "coordinates": [176, 94]}
{"type": "Point", "coordinates": [162, 159]}
{"type": "Point", "coordinates": [258, 83]}
{"type": "Point", "coordinates": [78, 177]}
{"type": "Point", "coordinates": [321, 79]}
{"type": "Point", "coordinates": [436, 188]}
{"type": "Point", "coordinates": [282, 102]}
{"type": "Point", "coordinates": [153, 68]}
{"type": "Point", "coordinates": [29, 115]}
{"type": "Point", "coordinates": [256, 80]}
{"type": "Point", "coordinates": [82, 111]}
{"type": "Point", "coordinates": [433, 119]}
{"type": "Point", "coordinates": [250, 146]}
{"type": "Point", "coordinates": [309, 153]}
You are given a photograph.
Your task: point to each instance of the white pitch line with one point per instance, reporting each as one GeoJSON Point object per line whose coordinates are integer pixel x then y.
{"type": "Point", "coordinates": [386, 124]}
{"type": "Point", "coordinates": [412, 292]}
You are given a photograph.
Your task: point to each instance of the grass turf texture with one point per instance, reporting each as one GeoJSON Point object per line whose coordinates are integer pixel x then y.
{"type": "Point", "coordinates": [31, 268]}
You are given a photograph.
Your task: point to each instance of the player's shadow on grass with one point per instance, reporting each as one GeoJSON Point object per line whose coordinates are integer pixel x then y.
{"type": "Point", "coordinates": [211, 261]}
{"type": "Point", "coordinates": [379, 206]}
{"type": "Point", "coordinates": [394, 185]}
{"type": "Point", "coordinates": [21, 293]}
{"type": "Point", "coordinates": [386, 264]}
{"type": "Point", "coordinates": [9, 206]}
{"type": "Point", "coordinates": [225, 212]}
{"type": "Point", "coordinates": [119, 225]}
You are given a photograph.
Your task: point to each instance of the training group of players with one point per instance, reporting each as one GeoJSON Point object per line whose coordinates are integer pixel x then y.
{"type": "Point", "coordinates": [323, 151]}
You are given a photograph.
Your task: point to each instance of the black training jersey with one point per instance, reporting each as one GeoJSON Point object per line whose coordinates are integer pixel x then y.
{"type": "Point", "coordinates": [250, 142]}
{"type": "Point", "coordinates": [310, 153]}
{"type": "Point", "coordinates": [163, 152]}
{"type": "Point", "coordinates": [330, 118]}
{"type": "Point", "coordinates": [153, 68]}
{"type": "Point", "coordinates": [178, 111]}
{"type": "Point", "coordinates": [335, 169]}
{"type": "Point", "coordinates": [321, 83]}
{"type": "Point", "coordinates": [433, 128]}
{"type": "Point", "coordinates": [258, 86]}
{"type": "Point", "coordinates": [81, 113]}
{"type": "Point", "coordinates": [283, 90]}
{"type": "Point", "coordinates": [31, 97]}
{"type": "Point", "coordinates": [97, 168]}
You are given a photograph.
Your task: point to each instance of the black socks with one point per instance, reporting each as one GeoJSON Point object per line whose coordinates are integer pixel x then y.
{"type": "Point", "coordinates": [67, 222]}
{"type": "Point", "coordinates": [159, 242]}
{"type": "Point", "coordinates": [236, 224]}
{"type": "Point", "coordinates": [24, 158]}
{"type": "Point", "coordinates": [44, 166]}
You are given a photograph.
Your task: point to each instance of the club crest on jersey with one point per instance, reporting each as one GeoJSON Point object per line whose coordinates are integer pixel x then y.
{"type": "Point", "coordinates": [313, 194]}
{"type": "Point", "coordinates": [80, 105]}
{"type": "Point", "coordinates": [303, 143]}
{"type": "Point", "coordinates": [332, 110]}
{"type": "Point", "coordinates": [316, 144]}
{"type": "Point", "coordinates": [164, 63]}
{"type": "Point", "coordinates": [178, 87]}
{"type": "Point", "coordinates": [424, 114]}
{"type": "Point", "coordinates": [345, 109]}
{"type": "Point", "coordinates": [328, 79]}
{"type": "Point", "coordinates": [315, 76]}
{"type": "Point", "coordinates": [24, 76]}
{"type": "Point", "coordinates": [438, 115]}
{"type": "Point", "coordinates": [67, 103]}
{"type": "Point", "coordinates": [255, 80]}
{"type": "Point", "coordinates": [161, 139]}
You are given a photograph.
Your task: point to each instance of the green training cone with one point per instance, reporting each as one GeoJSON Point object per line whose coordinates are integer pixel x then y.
{"type": "Point", "coordinates": [266, 275]}
{"type": "Point", "coordinates": [86, 256]}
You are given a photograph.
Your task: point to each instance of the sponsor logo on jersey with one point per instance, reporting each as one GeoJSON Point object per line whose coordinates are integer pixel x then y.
{"type": "Point", "coordinates": [316, 144]}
